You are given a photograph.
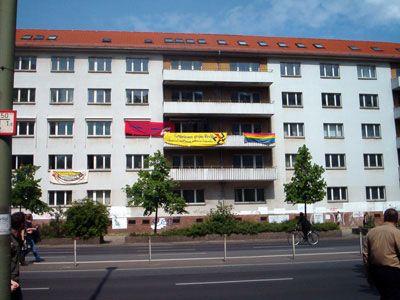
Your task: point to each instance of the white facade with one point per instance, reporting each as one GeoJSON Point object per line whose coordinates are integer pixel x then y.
{"type": "Point", "coordinates": [354, 176]}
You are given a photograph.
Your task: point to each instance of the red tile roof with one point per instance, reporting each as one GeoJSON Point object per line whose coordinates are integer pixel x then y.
{"type": "Point", "coordinates": [85, 39]}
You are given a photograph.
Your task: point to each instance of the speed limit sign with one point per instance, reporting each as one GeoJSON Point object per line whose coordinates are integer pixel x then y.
{"type": "Point", "coordinates": [8, 122]}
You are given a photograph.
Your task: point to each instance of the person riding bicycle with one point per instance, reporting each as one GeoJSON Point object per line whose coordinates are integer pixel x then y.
{"type": "Point", "coordinates": [304, 225]}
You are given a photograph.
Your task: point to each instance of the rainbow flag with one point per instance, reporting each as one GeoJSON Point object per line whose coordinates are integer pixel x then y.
{"type": "Point", "coordinates": [263, 138]}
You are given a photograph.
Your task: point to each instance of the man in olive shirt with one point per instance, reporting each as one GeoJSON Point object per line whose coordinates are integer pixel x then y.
{"type": "Point", "coordinates": [381, 256]}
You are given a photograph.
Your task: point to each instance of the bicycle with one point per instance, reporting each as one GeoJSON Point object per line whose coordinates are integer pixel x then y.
{"type": "Point", "coordinates": [312, 237]}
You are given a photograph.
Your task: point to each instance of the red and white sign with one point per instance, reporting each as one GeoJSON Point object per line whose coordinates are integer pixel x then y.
{"type": "Point", "coordinates": [8, 122]}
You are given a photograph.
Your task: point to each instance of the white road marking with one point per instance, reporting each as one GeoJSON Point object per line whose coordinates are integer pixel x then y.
{"type": "Point", "coordinates": [233, 281]}
{"type": "Point", "coordinates": [36, 289]}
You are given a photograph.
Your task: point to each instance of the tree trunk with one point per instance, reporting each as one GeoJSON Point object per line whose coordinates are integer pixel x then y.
{"type": "Point", "coordinates": [305, 209]}
{"type": "Point", "coordinates": [156, 221]}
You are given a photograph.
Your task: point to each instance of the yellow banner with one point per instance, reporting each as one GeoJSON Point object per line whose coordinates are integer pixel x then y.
{"type": "Point", "coordinates": [195, 139]}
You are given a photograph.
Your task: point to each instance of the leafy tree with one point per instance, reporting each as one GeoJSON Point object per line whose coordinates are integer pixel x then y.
{"type": "Point", "coordinates": [307, 185]}
{"type": "Point", "coordinates": [154, 189]}
{"type": "Point", "coordinates": [26, 191]}
{"type": "Point", "coordinates": [87, 219]}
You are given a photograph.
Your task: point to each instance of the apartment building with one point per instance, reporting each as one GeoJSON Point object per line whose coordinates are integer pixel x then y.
{"type": "Point", "coordinates": [77, 91]}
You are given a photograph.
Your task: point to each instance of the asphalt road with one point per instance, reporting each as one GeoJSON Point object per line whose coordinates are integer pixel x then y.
{"type": "Point", "coordinates": [252, 270]}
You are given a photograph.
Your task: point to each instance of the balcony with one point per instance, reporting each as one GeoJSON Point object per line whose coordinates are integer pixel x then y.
{"type": "Point", "coordinates": [218, 108]}
{"type": "Point", "coordinates": [232, 141]}
{"type": "Point", "coordinates": [396, 83]}
{"type": "Point", "coordinates": [244, 78]}
{"type": "Point", "coordinates": [224, 174]}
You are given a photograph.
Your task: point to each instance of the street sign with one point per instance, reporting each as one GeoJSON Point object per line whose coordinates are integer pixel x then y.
{"type": "Point", "coordinates": [8, 122]}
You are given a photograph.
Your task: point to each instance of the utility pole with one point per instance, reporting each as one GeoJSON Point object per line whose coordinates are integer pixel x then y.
{"type": "Point", "coordinates": [8, 16]}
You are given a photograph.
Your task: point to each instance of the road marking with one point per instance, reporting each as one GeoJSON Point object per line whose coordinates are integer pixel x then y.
{"type": "Point", "coordinates": [36, 289]}
{"type": "Point", "coordinates": [233, 281]}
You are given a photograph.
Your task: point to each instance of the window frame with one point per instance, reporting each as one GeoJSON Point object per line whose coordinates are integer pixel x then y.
{"type": "Point", "coordinates": [60, 161]}
{"type": "Point", "coordinates": [380, 189]}
{"type": "Point", "coordinates": [106, 125]}
{"type": "Point", "coordinates": [197, 193]}
{"type": "Point", "coordinates": [287, 68]}
{"type": "Point", "coordinates": [187, 65]}
{"type": "Point", "coordinates": [254, 161]}
{"type": "Point", "coordinates": [131, 162]}
{"type": "Point", "coordinates": [58, 61]}
{"type": "Point", "coordinates": [337, 97]}
{"type": "Point", "coordinates": [245, 67]}
{"type": "Point", "coordinates": [59, 93]}
{"type": "Point", "coordinates": [30, 95]}
{"type": "Point", "coordinates": [131, 96]}
{"type": "Point", "coordinates": [334, 70]}
{"type": "Point", "coordinates": [371, 70]}
{"type": "Point", "coordinates": [374, 101]}
{"type": "Point", "coordinates": [96, 61]}
{"type": "Point", "coordinates": [143, 65]}
{"type": "Point", "coordinates": [330, 160]}
{"type": "Point", "coordinates": [105, 199]}
{"type": "Point", "coordinates": [255, 128]}
{"type": "Point", "coordinates": [376, 128]}
{"type": "Point", "coordinates": [343, 194]}
{"type": "Point", "coordinates": [378, 157]}
{"type": "Point", "coordinates": [299, 130]}
{"type": "Point", "coordinates": [56, 123]}
{"type": "Point", "coordinates": [30, 127]}
{"type": "Point", "coordinates": [298, 98]}
{"type": "Point", "coordinates": [16, 162]}
{"type": "Point", "coordinates": [290, 160]}
{"type": "Point", "coordinates": [19, 63]}
{"type": "Point", "coordinates": [67, 195]}
{"type": "Point", "coordinates": [198, 161]}
{"type": "Point", "coordinates": [327, 130]}
{"type": "Point", "coordinates": [93, 164]}
{"type": "Point", "coordinates": [99, 96]}
{"type": "Point", "coordinates": [243, 195]}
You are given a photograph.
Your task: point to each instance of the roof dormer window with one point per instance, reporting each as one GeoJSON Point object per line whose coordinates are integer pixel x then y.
{"type": "Point", "coordinates": [282, 45]}
{"type": "Point", "coordinates": [26, 37]}
{"type": "Point", "coordinates": [168, 40]}
{"type": "Point", "coordinates": [179, 41]}
{"type": "Point", "coordinates": [222, 42]}
{"type": "Point", "coordinates": [300, 45]}
{"type": "Point", "coordinates": [242, 43]}
{"type": "Point", "coordinates": [262, 44]}
{"type": "Point", "coordinates": [354, 48]}
{"type": "Point", "coordinates": [201, 41]}
{"type": "Point", "coordinates": [39, 37]}
{"type": "Point", "coordinates": [376, 48]}
{"type": "Point", "coordinates": [52, 37]}
{"type": "Point", "coordinates": [319, 46]}
{"type": "Point", "coordinates": [190, 41]}
{"type": "Point", "coordinates": [106, 40]}
{"type": "Point", "coordinates": [148, 41]}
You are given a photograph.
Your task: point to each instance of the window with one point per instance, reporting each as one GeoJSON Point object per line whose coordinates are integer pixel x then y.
{"type": "Point", "coordinates": [245, 97]}
{"type": "Point", "coordinates": [60, 161]}
{"type": "Point", "coordinates": [249, 195]}
{"type": "Point", "coordinates": [319, 46]}
{"type": "Point", "coordinates": [99, 96]}
{"type": "Point", "coordinates": [168, 40]}
{"type": "Point", "coordinates": [26, 128]}
{"type": "Point", "coordinates": [99, 128]}
{"type": "Point", "coordinates": [187, 96]}
{"type": "Point", "coordinates": [262, 44]}
{"type": "Point", "coordinates": [52, 37]}
{"type": "Point", "coordinates": [201, 41]}
{"type": "Point", "coordinates": [290, 69]}
{"type": "Point", "coordinates": [148, 41]}
{"type": "Point", "coordinates": [375, 193]}
{"type": "Point", "coordinates": [186, 65]}
{"type": "Point", "coordinates": [244, 67]}
{"type": "Point", "coordinates": [373, 161]}
{"type": "Point", "coordinates": [248, 161]}
{"type": "Point", "coordinates": [366, 72]}
{"type": "Point", "coordinates": [101, 196]}
{"type": "Point", "coordinates": [369, 101]}
{"type": "Point", "coordinates": [354, 48]}
{"type": "Point", "coordinates": [190, 41]}
{"type": "Point", "coordinates": [333, 130]}
{"type": "Point", "coordinates": [61, 96]}
{"type": "Point", "coordinates": [292, 99]}
{"type": "Point", "coordinates": [62, 64]}
{"type": "Point", "coordinates": [99, 162]}
{"type": "Point", "coordinates": [25, 63]}
{"type": "Point", "coordinates": [240, 128]}
{"type": "Point", "coordinates": [293, 129]}
{"type": "Point", "coordinates": [191, 196]}
{"type": "Point", "coordinates": [137, 161]}
{"type": "Point", "coordinates": [26, 37]}
{"type": "Point", "coordinates": [187, 161]}
{"type": "Point", "coordinates": [39, 37]}
{"type": "Point", "coordinates": [300, 45]}
{"type": "Point", "coordinates": [336, 193]}
{"type": "Point", "coordinates": [61, 127]}
{"type": "Point", "coordinates": [370, 131]}
{"type": "Point", "coordinates": [21, 160]}
{"type": "Point", "coordinates": [99, 64]}
{"type": "Point", "coordinates": [222, 42]}
{"type": "Point", "coordinates": [335, 161]}
{"type": "Point", "coordinates": [137, 65]}
{"type": "Point", "coordinates": [60, 198]}
{"type": "Point", "coordinates": [331, 100]}
{"type": "Point", "coordinates": [137, 96]}
{"type": "Point", "coordinates": [191, 126]}
{"type": "Point", "coordinates": [290, 160]}
{"type": "Point", "coordinates": [376, 48]}
{"type": "Point", "coordinates": [22, 95]}
{"type": "Point", "coordinates": [242, 43]}
{"type": "Point", "coordinates": [282, 45]}
{"type": "Point", "coordinates": [329, 70]}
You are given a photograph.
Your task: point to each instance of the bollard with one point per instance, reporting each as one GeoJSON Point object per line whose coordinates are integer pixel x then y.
{"type": "Point", "coordinates": [149, 248]}
{"type": "Point", "coordinates": [293, 247]}
{"type": "Point", "coordinates": [224, 247]}
{"type": "Point", "coordinates": [75, 263]}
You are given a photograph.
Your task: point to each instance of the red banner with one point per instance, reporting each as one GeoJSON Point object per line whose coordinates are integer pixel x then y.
{"type": "Point", "coordinates": [147, 128]}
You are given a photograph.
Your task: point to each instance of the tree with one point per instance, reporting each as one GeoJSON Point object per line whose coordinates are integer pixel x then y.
{"type": "Point", "coordinates": [86, 219]}
{"type": "Point", "coordinates": [307, 185]}
{"type": "Point", "coordinates": [154, 189]}
{"type": "Point", "coordinates": [26, 191]}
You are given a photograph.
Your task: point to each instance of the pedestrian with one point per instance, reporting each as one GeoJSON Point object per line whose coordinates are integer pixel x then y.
{"type": "Point", "coordinates": [338, 218]}
{"type": "Point", "coordinates": [17, 226]}
{"type": "Point", "coordinates": [381, 256]}
{"type": "Point", "coordinates": [32, 237]}
{"type": "Point", "coordinates": [304, 225]}
{"type": "Point", "coordinates": [365, 219]}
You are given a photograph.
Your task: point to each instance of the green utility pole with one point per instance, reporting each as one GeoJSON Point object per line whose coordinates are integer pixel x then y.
{"type": "Point", "coordinates": [8, 16]}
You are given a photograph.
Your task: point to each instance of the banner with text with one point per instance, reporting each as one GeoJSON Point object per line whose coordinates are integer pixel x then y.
{"type": "Point", "coordinates": [195, 139]}
{"type": "Point", "coordinates": [68, 177]}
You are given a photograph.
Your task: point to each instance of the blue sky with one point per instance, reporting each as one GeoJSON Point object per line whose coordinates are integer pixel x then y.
{"type": "Point", "coordinates": [376, 20]}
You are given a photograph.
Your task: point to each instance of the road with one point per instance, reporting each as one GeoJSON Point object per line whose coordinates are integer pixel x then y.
{"type": "Point", "coordinates": [253, 270]}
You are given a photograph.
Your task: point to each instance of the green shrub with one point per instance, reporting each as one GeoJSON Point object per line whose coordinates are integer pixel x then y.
{"type": "Point", "coordinates": [56, 227]}
{"type": "Point", "coordinates": [86, 219]}
{"type": "Point", "coordinates": [325, 226]}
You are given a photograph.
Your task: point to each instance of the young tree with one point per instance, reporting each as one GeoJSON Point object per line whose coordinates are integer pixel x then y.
{"type": "Point", "coordinates": [154, 189]}
{"type": "Point", "coordinates": [26, 191]}
{"type": "Point", "coordinates": [307, 185]}
{"type": "Point", "coordinates": [86, 219]}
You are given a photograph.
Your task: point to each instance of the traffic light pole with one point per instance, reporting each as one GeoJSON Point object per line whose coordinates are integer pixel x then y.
{"type": "Point", "coordinates": [8, 11]}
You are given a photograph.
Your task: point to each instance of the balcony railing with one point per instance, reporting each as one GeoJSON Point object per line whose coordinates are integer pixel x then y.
{"type": "Point", "coordinates": [232, 141]}
{"type": "Point", "coordinates": [217, 75]}
{"type": "Point", "coordinates": [219, 107]}
{"type": "Point", "coordinates": [224, 174]}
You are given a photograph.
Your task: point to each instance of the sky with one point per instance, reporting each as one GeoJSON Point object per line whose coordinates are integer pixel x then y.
{"type": "Point", "coordinates": [373, 20]}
